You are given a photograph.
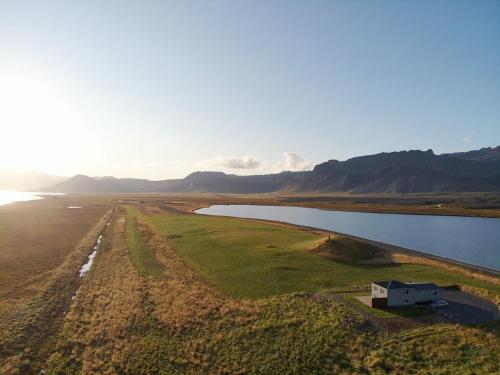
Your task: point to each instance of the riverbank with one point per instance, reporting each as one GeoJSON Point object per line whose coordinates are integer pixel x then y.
{"type": "Point", "coordinates": [399, 254]}
{"type": "Point", "coordinates": [463, 204]}
{"type": "Point", "coordinates": [479, 272]}
{"type": "Point", "coordinates": [464, 239]}
{"type": "Point", "coordinates": [257, 258]}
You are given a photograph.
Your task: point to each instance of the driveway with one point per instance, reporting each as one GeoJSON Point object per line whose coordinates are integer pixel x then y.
{"type": "Point", "coordinates": [465, 308]}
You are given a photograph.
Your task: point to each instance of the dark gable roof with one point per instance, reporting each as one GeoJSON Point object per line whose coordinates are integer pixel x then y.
{"type": "Point", "coordinates": [422, 286]}
{"type": "Point", "coordinates": [393, 284]}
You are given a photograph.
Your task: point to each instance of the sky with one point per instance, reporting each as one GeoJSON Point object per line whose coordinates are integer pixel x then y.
{"type": "Point", "coordinates": [159, 89]}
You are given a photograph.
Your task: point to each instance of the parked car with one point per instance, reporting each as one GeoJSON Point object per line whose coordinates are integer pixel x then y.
{"type": "Point", "coordinates": [439, 304]}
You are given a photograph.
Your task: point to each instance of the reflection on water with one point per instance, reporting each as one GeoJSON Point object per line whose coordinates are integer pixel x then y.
{"type": "Point", "coordinates": [86, 267]}
{"type": "Point", "coordinates": [7, 196]}
{"type": "Point", "coordinates": [473, 240]}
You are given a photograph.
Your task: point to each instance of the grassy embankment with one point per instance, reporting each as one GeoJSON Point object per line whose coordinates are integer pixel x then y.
{"type": "Point", "coordinates": [250, 259]}
{"type": "Point", "coordinates": [142, 257]}
{"type": "Point", "coordinates": [122, 322]}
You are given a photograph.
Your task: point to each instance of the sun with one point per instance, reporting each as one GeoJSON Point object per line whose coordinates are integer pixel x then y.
{"type": "Point", "coordinates": [35, 119]}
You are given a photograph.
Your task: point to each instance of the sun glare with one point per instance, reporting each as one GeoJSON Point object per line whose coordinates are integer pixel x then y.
{"type": "Point", "coordinates": [34, 119]}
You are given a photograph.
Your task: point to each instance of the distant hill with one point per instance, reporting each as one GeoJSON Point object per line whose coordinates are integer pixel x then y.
{"type": "Point", "coordinates": [27, 181]}
{"type": "Point", "coordinates": [394, 172]}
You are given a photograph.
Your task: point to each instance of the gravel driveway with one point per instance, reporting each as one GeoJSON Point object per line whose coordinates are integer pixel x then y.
{"type": "Point", "coordinates": [467, 309]}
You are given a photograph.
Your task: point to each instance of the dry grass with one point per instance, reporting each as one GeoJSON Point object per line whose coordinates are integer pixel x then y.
{"type": "Point", "coordinates": [482, 293]}
{"type": "Point", "coordinates": [438, 349]}
{"type": "Point", "coordinates": [28, 329]}
{"type": "Point", "coordinates": [116, 301]}
{"type": "Point", "coordinates": [123, 323]}
{"type": "Point", "coordinates": [96, 330]}
{"type": "Point", "coordinates": [35, 238]}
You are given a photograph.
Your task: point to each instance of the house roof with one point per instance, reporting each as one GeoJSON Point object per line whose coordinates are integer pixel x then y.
{"type": "Point", "coordinates": [422, 286]}
{"type": "Point", "coordinates": [393, 284]}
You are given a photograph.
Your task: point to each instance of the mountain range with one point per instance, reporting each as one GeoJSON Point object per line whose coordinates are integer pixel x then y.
{"type": "Point", "coordinates": [412, 171]}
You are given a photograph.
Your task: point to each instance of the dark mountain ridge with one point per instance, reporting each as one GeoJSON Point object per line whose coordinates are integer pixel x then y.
{"type": "Point", "coordinates": [394, 172]}
{"type": "Point", "coordinates": [484, 154]}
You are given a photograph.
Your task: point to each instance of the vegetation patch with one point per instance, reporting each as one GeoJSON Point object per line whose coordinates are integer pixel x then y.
{"type": "Point", "coordinates": [346, 249]}
{"type": "Point", "coordinates": [252, 259]}
{"type": "Point", "coordinates": [142, 257]}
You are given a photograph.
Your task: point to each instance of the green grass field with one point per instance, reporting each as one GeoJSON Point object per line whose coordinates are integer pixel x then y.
{"type": "Point", "coordinates": [249, 259]}
{"type": "Point", "coordinates": [141, 256]}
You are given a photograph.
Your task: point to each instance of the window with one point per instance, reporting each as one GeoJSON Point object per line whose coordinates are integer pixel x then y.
{"type": "Point", "coordinates": [406, 291]}
{"type": "Point", "coordinates": [435, 293]}
{"type": "Point", "coordinates": [406, 300]}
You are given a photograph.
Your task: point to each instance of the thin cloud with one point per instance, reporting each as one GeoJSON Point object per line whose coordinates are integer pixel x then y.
{"type": "Point", "coordinates": [231, 162]}
{"type": "Point", "coordinates": [294, 162]}
{"type": "Point", "coordinates": [291, 162]}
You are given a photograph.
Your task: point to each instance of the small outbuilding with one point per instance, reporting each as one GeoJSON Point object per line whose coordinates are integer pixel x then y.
{"type": "Point", "coordinates": [395, 293]}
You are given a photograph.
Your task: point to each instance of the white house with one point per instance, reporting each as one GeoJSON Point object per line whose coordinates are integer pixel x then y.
{"type": "Point", "coordinates": [396, 293]}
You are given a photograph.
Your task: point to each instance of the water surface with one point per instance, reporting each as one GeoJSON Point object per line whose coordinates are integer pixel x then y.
{"type": "Point", "coordinates": [90, 260]}
{"type": "Point", "coordinates": [8, 196]}
{"type": "Point", "coordinates": [472, 240]}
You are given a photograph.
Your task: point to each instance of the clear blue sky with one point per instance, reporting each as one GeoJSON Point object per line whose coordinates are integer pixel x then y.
{"type": "Point", "coordinates": [159, 89]}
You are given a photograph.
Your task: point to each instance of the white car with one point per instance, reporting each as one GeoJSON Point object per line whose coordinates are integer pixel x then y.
{"type": "Point", "coordinates": [439, 304]}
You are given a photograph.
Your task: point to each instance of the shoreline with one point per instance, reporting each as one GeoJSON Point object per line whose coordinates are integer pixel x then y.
{"type": "Point", "coordinates": [404, 210]}
{"type": "Point", "coordinates": [388, 209]}
{"type": "Point", "coordinates": [390, 248]}
{"type": "Point", "coordinates": [409, 205]}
